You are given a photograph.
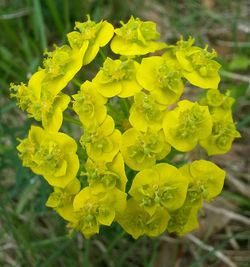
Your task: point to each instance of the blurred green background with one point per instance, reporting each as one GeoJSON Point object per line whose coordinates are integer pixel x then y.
{"type": "Point", "coordinates": [33, 235]}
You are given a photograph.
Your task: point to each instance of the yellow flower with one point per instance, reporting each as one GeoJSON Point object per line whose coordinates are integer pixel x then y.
{"type": "Point", "coordinates": [92, 34]}
{"type": "Point", "coordinates": [41, 98]}
{"type": "Point", "coordinates": [186, 125]}
{"type": "Point", "coordinates": [205, 182]}
{"type": "Point", "coordinates": [141, 149]}
{"type": "Point", "coordinates": [40, 103]}
{"type": "Point", "coordinates": [136, 221]}
{"type": "Point", "coordinates": [117, 77]}
{"type": "Point", "coordinates": [205, 179]}
{"type": "Point", "coordinates": [60, 66]}
{"type": "Point", "coordinates": [61, 200]}
{"type": "Point", "coordinates": [90, 105]}
{"type": "Point", "coordinates": [104, 176]}
{"type": "Point", "coordinates": [198, 66]}
{"type": "Point", "coordinates": [136, 37]}
{"type": "Point", "coordinates": [146, 112]}
{"type": "Point", "coordinates": [93, 210]}
{"type": "Point", "coordinates": [161, 78]}
{"type": "Point", "coordinates": [159, 186]}
{"type": "Point", "coordinates": [101, 141]}
{"type": "Point", "coordinates": [22, 95]}
{"type": "Point", "coordinates": [52, 113]}
{"type": "Point", "coordinates": [50, 154]}
{"type": "Point", "coordinates": [184, 219]}
{"type": "Point", "coordinates": [218, 103]}
{"type": "Point", "coordinates": [222, 136]}
{"type": "Point", "coordinates": [27, 95]}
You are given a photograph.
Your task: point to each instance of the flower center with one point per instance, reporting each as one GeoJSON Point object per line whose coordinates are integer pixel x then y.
{"type": "Point", "coordinates": [84, 104]}
{"type": "Point", "coordinates": [147, 145]}
{"type": "Point", "coordinates": [145, 104]}
{"type": "Point", "coordinates": [168, 78]}
{"type": "Point", "coordinates": [202, 61]}
{"type": "Point", "coordinates": [116, 70]}
{"type": "Point", "coordinates": [138, 31]}
{"type": "Point", "coordinates": [49, 155]}
{"type": "Point", "coordinates": [55, 62]}
{"type": "Point", "coordinates": [189, 121]}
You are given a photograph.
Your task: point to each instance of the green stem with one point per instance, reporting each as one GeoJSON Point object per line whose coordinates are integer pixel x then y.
{"type": "Point", "coordinates": [71, 120]}
{"type": "Point", "coordinates": [125, 105]}
{"type": "Point", "coordinates": [86, 253]}
{"type": "Point", "coordinates": [76, 82]}
{"type": "Point", "coordinates": [102, 55]}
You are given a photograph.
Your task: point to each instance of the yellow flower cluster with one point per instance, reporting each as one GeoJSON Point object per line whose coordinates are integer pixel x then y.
{"type": "Point", "coordinates": [131, 116]}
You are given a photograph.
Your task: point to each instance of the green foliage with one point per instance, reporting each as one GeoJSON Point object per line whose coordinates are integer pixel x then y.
{"type": "Point", "coordinates": [239, 63]}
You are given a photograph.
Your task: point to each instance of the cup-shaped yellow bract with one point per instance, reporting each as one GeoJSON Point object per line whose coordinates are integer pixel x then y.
{"type": "Point", "coordinates": [206, 179]}
{"type": "Point", "coordinates": [185, 219]}
{"type": "Point", "coordinates": [117, 78]}
{"type": "Point", "coordinates": [103, 175]}
{"type": "Point", "coordinates": [60, 66]}
{"type": "Point", "coordinates": [61, 200]}
{"type": "Point", "coordinates": [146, 112]}
{"type": "Point", "coordinates": [50, 154]}
{"type": "Point", "coordinates": [102, 142]}
{"type": "Point", "coordinates": [161, 78]}
{"type": "Point", "coordinates": [93, 210]}
{"type": "Point", "coordinates": [197, 64]}
{"type": "Point", "coordinates": [186, 125]}
{"type": "Point", "coordinates": [28, 96]}
{"type": "Point", "coordinates": [95, 35]}
{"type": "Point", "coordinates": [89, 105]}
{"type": "Point", "coordinates": [136, 221]}
{"type": "Point", "coordinates": [222, 136]}
{"type": "Point", "coordinates": [218, 103]}
{"type": "Point", "coordinates": [42, 102]}
{"type": "Point", "coordinates": [140, 150]}
{"type": "Point", "coordinates": [52, 113]}
{"type": "Point", "coordinates": [136, 37]}
{"type": "Point", "coordinates": [160, 186]}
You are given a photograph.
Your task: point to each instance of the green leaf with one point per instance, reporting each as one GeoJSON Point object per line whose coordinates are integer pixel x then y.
{"type": "Point", "coordinates": [27, 194]}
{"type": "Point", "coordinates": [239, 62]}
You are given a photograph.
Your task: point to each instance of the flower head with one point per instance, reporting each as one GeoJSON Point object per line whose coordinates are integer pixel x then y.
{"type": "Point", "coordinates": [103, 175]}
{"type": "Point", "coordinates": [136, 221]}
{"type": "Point", "coordinates": [205, 179]}
{"type": "Point", "coordinates": [50, 154]}
{"type": "Point", "coordinates": [92, 210]}
{"type": "Point", "coordinates": [218, 103]}
{"type": "Point", "coordinates": [141, 149]}
{"type": "Point", "coordinates": [117, 77]}
{"type": "Point", "coordinates": [101, 141]}
{"type": "Point", "coordinates": [159, 186]}
{"type": "Point", "coordinates": [91, 34]}
{"type": "Point", "coordinates": [60, 66]}
{"type": "Point", "coordinates": [161, 78]}
{"type": "Point", "coordinates": [198, 65]}
{"type": "Point", "coordinates": [222, 136]}
{"type": "Point", "coordinates": [136, 37]}
{"type": "Point", "coordinates": [185, 218]}
{"type": "Point", "coordinates": [186, 125]}
{"type": "Point", "coordinates": [61, 200]}
{"type": "Point", "coordinates": [90, 105]}
{"type": "Point", "coordinates": [146, 112]}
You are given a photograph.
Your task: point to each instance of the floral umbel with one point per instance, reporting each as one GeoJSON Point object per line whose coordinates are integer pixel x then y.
{"type": "Point", "coordinates": [122, 164]}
